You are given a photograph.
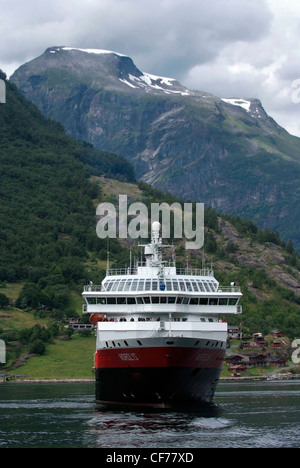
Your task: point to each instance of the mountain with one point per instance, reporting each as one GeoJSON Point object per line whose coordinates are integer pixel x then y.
{"type": "Point", "coordinates": [227, 153]}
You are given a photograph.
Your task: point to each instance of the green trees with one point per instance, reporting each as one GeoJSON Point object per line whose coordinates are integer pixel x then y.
{"type": "Point", "coordinates": [47, 223]}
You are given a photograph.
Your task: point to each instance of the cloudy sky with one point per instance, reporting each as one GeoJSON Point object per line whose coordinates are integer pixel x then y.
{"type": "Point", "coordinates": [230, 48]}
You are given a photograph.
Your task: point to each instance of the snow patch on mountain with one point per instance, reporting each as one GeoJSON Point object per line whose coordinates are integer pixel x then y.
{"type": "Point", "coordinates": [91, 51]}
{"type": "Point", "coordinates": [150, 82]}
{"type": "Point", "coordinates": [239, 102]}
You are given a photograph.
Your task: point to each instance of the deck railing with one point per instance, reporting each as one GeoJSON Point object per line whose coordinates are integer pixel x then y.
{"type": "Point", "coordinates": [179, 271]}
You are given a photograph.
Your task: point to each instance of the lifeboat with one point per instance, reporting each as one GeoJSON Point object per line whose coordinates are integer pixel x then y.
{"type": "Point", "coordinates": [95, 318]}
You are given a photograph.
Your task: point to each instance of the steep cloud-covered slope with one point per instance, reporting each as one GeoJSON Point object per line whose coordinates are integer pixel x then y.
{"type": "Point", "coordinates": [227, 153]}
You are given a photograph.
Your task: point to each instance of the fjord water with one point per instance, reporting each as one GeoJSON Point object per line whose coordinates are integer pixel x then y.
{"type": "Point", "coordinates": [246, 414]}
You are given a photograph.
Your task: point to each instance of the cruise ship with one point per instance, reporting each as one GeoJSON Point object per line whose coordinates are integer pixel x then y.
{"type": "Point", "coordinates": [161, 332]}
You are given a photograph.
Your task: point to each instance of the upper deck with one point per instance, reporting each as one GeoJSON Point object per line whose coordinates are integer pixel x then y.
{"type": "Point", "coordinates": [158, 286]}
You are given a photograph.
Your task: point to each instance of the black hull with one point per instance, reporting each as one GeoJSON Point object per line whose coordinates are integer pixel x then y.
{"type": "Point", "coordinates": [156, 387]}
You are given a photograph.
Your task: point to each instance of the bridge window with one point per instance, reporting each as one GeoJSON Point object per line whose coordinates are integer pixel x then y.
{"type": "Point", "coordinates": [171, 300]}
{"type": "Point", "coordinates": [203, 300]}
{"type": "Point", "coordinates": [233, 301]}
{"type": "Point", "coordinates": [213, 301]}
{"type": "Point", "coordinates": [111, 300]}
{"type": "Point", "coordinates": [194, 301]}
{"type": "Point", "coordinates": [223, 301]}
{"type": "Point", "coordinates": [121, 300]}
{"type": "Point", "coordinates": [130, 300]}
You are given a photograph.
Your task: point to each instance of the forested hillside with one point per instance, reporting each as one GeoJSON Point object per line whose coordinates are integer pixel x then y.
{"type": "Point", "coordinates": [46, 211]}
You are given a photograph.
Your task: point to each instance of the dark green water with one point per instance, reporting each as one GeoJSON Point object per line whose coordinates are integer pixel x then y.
{"type": "Point", "coordinates": [254, 414]}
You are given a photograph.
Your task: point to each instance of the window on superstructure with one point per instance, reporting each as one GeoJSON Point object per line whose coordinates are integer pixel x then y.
{"type": "Point", "coordinates": [91, 300]}
{"type": "Point", "coordinates": [201, 287]}
{"type": "Point", "coordinates": [115, 286]}
{"type": "Point", "coordinates": [179, 300]}
{"type": "Point", "coordinates": [155, 300]}
{"type": "Point", "coordinates": [185, 300]}
{"type": "Point", "coordinates": [194, 301]}
{"type": "Point", "coordinates": [171, 300]}
{"type": "Point", "coordinates": [182, 285]}
{"type": "Point", "coordinates": [155, 285]}
{"type": "Point", "coordinates": [175, 285]}
{"type": "Point", "coordinates": [203, 300]}
{"type": "Point", "coordinates": [188, 285]}
{"type": "Point", "coordinates": [148, 285]}
{"type": "Point", "coordinates": [111, 300]}
{"type": "Point", "coordinates": [195, 286]}
{"type": "Point", "coordinates": [163, 300]}
{"type": "Point", "coordinates": [206, 286]}
{"type": "Point", "coordinates": [139, 300]}
{"type": "Point", "coordinates": [121, 285]}
{"type": "Point", "coordinates": [109, 285]}
{"type": "Point", "coordinates": [141, 285]}
{"type": "Point", "coordinates": [233, 301]}
{"type": "Point", "coordinates": [130, 300]}
{"type": "Point", "coordinates": [147, 300]}
{"type": "Point", "coordinates": [223, 301]}
{"type": "Point", "coordinates": [127, 285]}
{"type": "Point", "coordinates": [134, 285]}
{"type": "Point", "coordinates": [121, 300]}
{"type": "Point", "coordinates": [213, 301]}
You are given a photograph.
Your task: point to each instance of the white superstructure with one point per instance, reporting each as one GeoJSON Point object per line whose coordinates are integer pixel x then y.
{"type": "Point", "coordinates": [154, 299]}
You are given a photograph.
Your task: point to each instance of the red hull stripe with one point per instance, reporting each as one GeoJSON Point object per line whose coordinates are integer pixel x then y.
{"type": "Point", "coordinates": [159, 357]}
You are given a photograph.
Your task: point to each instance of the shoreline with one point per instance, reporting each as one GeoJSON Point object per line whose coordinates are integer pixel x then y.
{"type": "Point", "coordinates": [222, 379]}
